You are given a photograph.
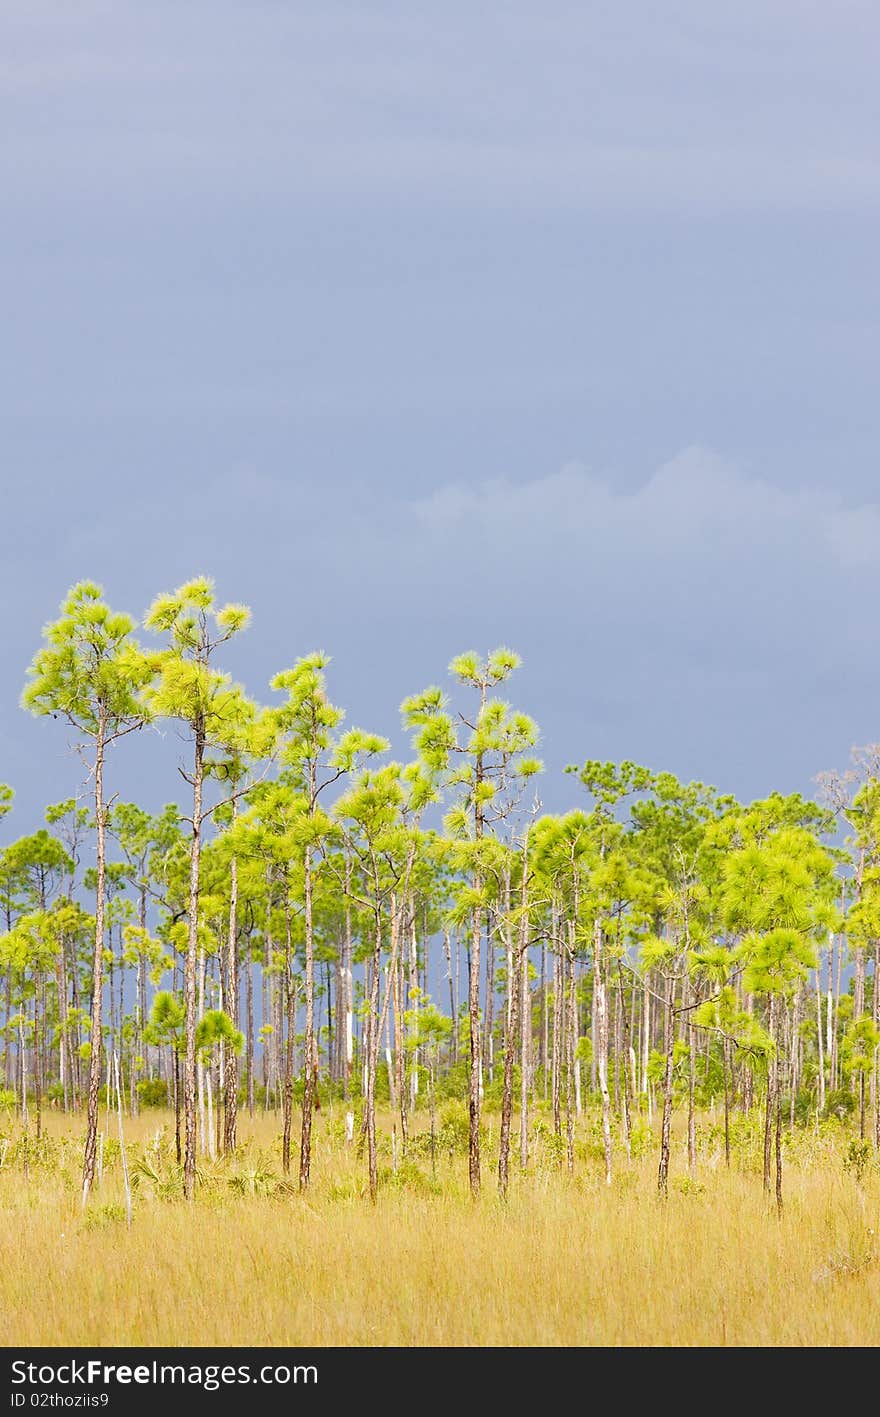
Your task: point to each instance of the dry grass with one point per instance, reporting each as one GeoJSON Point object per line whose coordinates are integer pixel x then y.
{"type": "Point", "coordinates": [566, 1262]}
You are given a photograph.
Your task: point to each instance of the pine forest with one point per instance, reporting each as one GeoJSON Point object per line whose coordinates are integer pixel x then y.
{"type": "Point", "coordinates": [385, 1006]}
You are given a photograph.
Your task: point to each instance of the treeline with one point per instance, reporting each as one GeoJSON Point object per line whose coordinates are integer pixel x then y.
{"type": "Point", "coordinates": [275, 938]}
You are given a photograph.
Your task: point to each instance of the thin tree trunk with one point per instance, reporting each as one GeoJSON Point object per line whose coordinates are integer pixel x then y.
{"type": "Point", "coordinates": [570, 1032]}
{"type": "Point", "coordinates": [177, 1092]}
{"type": "Point", "coordinates": [372, 1052]}
{"type": "Point", "coordinates": [399, 1060]}
{"type": "Point", "coordinates": [875, 1073]}
{"type": "Point", "coordinates": [556, 1061]}
{"type": "Point", "coordinates": [347, 1005]}
{"type": "Point", "coordinates": [38, 1067]}
{"type": "Point", "coordinates": [204, 1139]}
{"type": "Point", "coordinates": [794, 1056]}
{"type": "Point", "coordinates": [510, 1024]}
{"type": "Point", "coordinates": [771, 1096]}
{"type": "Point", "coordinates": [692, 1079]}
{"type": "Point", "coordinates": [666, 1125]}
{"type": "Point", "coordinates": [835, 1048]}
{"type": "Point", "coordinates": [476, 1057]}
{"type": "Point", "coordinates": [820, 1034]}
{"type": "Point", "coordinates": [88, 1173]}
{"type": "Point", "coordinates": [778, 1151]}
{"type": "Point", "coordinates": [310, 1063]}
{"type": "Point", "coordinates": [525, 1033]}
{"type": "Point", "coordinates": [7, 1039]}
{"type": "Point", "coordinates": [290, 997]}
{"type": "Point", "coordinates": [249, 1025]}
{"type": "Point", "coordinates": [602, 1031]}
{"type": "Point", "coordinates": [726, 1068]}
{"type": "Point", "coordinates": [230, 1059]}
{"type": "Point", "coordinates": [545, 1019]}
{"type": "Point", "coordinates": [489, 1022]}
{"type": "Point", "coordinates": [447, 951]}
{"type": "Point", "coordinates": [627, 1094]}
{"type": "Point", "coordinates": [190, 974]}
{"type": "Point", "coordinates": [414, 1006]}
{"type": "Point", "coordinates": [646, 1045]}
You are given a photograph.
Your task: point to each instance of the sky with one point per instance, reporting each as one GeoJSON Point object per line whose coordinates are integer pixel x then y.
{"type": "Point", "coordinates": [423, 328]}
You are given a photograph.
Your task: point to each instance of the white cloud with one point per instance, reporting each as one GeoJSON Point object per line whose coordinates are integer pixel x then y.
{"type": "Point", "coordinates": [701, 560]}
{"type": "Point", "coordinates": [696, 502]}
{"type": "Point", "coordinates": [594, 109]}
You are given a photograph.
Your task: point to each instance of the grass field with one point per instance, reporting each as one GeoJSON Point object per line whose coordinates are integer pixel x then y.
{"type": "Point", "coordinates": [567, 1261]}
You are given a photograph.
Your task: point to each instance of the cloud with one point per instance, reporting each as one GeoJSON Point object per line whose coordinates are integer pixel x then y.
{"type": "Point", "coordinates": [696, 511]}
{"type": "Point", "coordinates": [702, 591]}
{"type": "Point", "coordinates": [593, 110]}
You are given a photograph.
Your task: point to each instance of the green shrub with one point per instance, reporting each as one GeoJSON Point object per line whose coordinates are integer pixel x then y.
{"type": "Point", "coordinates": [840, 1104]}
{"type": "Point", "coordinates": [153, 1092]}
{"type": "Point", "coordinates": [103, 1215]}
{"type": "Point", "coordinates": [857, 1159]}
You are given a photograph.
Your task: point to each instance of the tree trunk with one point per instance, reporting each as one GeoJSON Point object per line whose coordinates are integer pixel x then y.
{"type": "Point", "coordinates": [230, 1059]}
{"type": "Point", "coordinates": [290, 997]}
{"type": "Point", "coordinates": [510, 1024]}
{"type": "Point", "coordinates": [448, 953]}
{"type": "Point", "coordinates": [646, 1045]}
{"type": "Point", "coordinates": [310, 1063]}
{"type": "Point", "coordinates": [835, 1047]}
{"type": "Point", "coordinates": [748, 1079]}
{"type": "Point", "coordinates": [771, 1096]}
{"type": "Point", "coordinates": [692, 1114]}
{"type": "Point", "coordinates": [545, 1019]}
{"type": "Point", "coordinates": [38, 1067]}
{"type": "Point", "coordinates": [399, 1060]}
{"type": "Point", "coordinates": [190, 973]}
{"type": "Point", "coordinates": [820, 1035]}
{"type": "Point", "coordinates": [249, 1024]}
{"type": "Point", "coordinates": [177, 1102]}
{"type": "Point", "coordinates": [570, 1031]}
{"type": "Point", "coordinates": [794, 1054]}
{"type": "Point", "coordinates": [627, 1093]}
{"type": "Point", "coordinates": [7, 1040]}
{"type": "Point", "coordinates": [876, 1067]}
{"type": "Point", "coordinates": [525, 1034]}
{"type": "Point", "coordinates": [726, 1068]}
{"type": "Point", "coordinates": [489, 1021]}
{"type": "Point", "coordinates": [778, 1150]}
{"type": "Point", "coordinates": [476, 1057]}
{"type": "Point", "coordinates": [345, 1006]}
{"type": "Point", "coordinates": [602, 1032]}
{"type": "Point", "coordinates": [666, 1126]}
{"type": "Point", "coordinates": [372, 1052]}
{"type": "Point", "coordinates": [414, 1005]}
{"type": "Point", "coordinates": [204, 1135]}
{"type": "Point", "coordinates": [556, 1051]}
{"type": "Point", "coordinates": [88, 1173]}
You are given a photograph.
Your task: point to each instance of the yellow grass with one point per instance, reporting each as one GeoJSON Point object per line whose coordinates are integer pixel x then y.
{"type": "Point", "coordinates": [568, 1261]}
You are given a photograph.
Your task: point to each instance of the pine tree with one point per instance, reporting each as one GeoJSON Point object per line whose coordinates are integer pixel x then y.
{"type": "Point", "coordinates": [91, 673]}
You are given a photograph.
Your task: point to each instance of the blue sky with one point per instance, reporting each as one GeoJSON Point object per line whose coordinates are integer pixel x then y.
{"type": "Point", "coordinates": [423, 328]}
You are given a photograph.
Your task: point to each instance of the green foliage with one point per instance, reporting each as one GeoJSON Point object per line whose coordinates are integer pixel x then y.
{"type": "Point", "coordinates": [216, 1027]}
{"type": "Point", "coordinates": [857, 1158]}
{"type": "Point", "coordinates": [408, 1177]}
{"type": "Point", "coordinates": [108, 1213]}
{"type": "Point", "coordinates": [167, 1017]}
{"type": "Point", "coordinates": [153, 1092]}
{"type": "Point", "coordinates": [840, 1104]}
{"type": "Point", "coordinates": [90, 670]}
{"type": "Point", "coordinates": [454, 1129]}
